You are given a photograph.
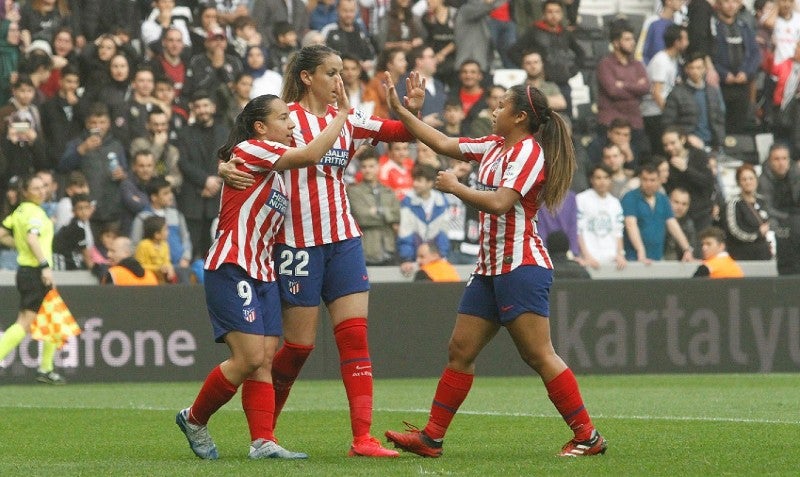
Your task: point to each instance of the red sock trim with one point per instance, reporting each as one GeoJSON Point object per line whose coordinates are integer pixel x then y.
{"type": "Point", "coordinates": [450, 393]}
{"type": "Point", "coordinates": [563, 391]}
{"type": "Point", "coordinates": [216, 391]}
{"type": "Point", "coordinates": [356, 369]}
{"type": "Point", "coordinates": [258, 402]}
{"type": "Point", "coordinates": [286, 366]}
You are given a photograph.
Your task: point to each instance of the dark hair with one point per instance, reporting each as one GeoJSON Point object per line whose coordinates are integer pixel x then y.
{"type": "Point", "coordinates": [453, 102]}
{"type": "Point", "coordinates": [24, 181]}
{"type": "Point", "coordinates": [694, 56]}
{"type": "Point", "coordinates": [414, 54]}
{"type": "Point", "coordinates": [282, 28]}
{"type": "Point", "coordinates": [156, 184]}
{"type": "Point", "coordinates": [618, 122]}
{"type": "Point", "coordinates": [673, 34]}
{"type": "Point", "coordinates": [243, 21]}
{"type": "Point", "coordinates": [145, 68]}
{"type": "Point", "coordinates": [23, 80]}
{"type": "Point", "coordinates": [647, 167]}
{"type": "Point", "coordinates": [142, 152]}
{"type": "Point", "coordinates": [76, 178]}
{"type": "Point", "coordinates": [75, 199]}
{"type": "Point", "coordinates": [674, 130]}
{"type": "Point", "coordinates": [599, 167]}
{"type": "Point", "coordinates": [609, 145]}
{"type": "Point", "coordinates": [70, 69]}
{"type": "Point", "coordinates": [97, 109]}
{"type": "Point", "coordinates": [424, 171]}
{"type": "Point", "coordinates": [152, 225]}
{"type": "Point", "coordinates": [681, 190]}
{"type": "Point", "coordinates": [36, 59]}
{"type": "Point", "coordinates": [618, 28]}
{"type": "Point", "coordinates": [257, 109]}
{"type": "Point", "coordinates": [201, 94]}
{"type": "Point", "coordinates": [559, 152]}
{"type": "Point", "coordinates": [470, 61]}
{"type": "Point", "coordinates": [385, 57]}
{"type": "Point", "coordinates": [154, 111]}
{"type": "Point", "coordinates": [552, 2]}
{"type": "Point", "coordinates": [305, 59]}
{"type": "Point", "coordinates": [712, 232]}
{"type": "Point", "coordinates": [532, 51]}
{"type": "Point", "coordinates": [367, 152]}
{"type": "Point", "coordinates": [778, 145]}
{"type": "Point", "coordinates": [238, 77]}
{"type": "Point", "coordinates": [744, 168]}
{"type": "Point", "coordinates": [112, 227]}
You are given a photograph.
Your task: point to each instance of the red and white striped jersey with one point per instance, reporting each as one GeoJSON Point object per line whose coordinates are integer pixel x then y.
{"type": "Point", "coordinates": [510, 240]}
{"type": "Point", "coordinates": [250, 219]}
{"type": "Point", "coordinates": [319, 210]}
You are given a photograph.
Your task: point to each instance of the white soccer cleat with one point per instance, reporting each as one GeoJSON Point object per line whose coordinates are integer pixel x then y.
{"type": "Point", "coordinates": [264, 449]}
{"type": "Point", "coordinates": [200, 441]}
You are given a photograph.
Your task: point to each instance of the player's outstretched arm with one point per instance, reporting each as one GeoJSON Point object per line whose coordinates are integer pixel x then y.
{"type": "Point", "coordinates": [435, 139]}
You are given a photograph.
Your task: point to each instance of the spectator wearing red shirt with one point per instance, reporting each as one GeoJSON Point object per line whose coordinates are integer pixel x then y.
{"type": "Point", "coordinates": [395, 169]}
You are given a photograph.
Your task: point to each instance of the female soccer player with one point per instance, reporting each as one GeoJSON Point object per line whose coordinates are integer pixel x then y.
{"type": "Point", "coordinates": [241, 289]}
{"type": "Point", "coordinates": [319, 253]}
{"type": "Point", "coordinates": [511, 283]}
{"type": "Point", "coordinates": [30, 231]}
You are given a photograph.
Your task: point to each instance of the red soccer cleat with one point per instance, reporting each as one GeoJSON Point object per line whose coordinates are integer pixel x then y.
{"type": "Point", "coordinates": [592, 446]}
{"type": "Point", "coordinates": [416, 441]}
{"type": "Point", "coordinates": [370, 447]}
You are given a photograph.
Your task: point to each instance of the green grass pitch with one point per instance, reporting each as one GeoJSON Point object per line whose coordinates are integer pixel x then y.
{"type": "Point", "coordinates": [676, 425]}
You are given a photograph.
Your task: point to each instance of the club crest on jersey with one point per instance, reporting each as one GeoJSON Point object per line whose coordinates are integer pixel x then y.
{"type": "Point", "coordinates": [511, 170]}
{"type": "Point", "coordinates": [277, 201]}
{"type": "Point", "coordinates": [294, 287]}
{"type": "Point", "coordinates": [335, 158]}
{"type": "Point", "coordinates": [249, 314]}
{"type": "Point", "coordinates": [359, 117]}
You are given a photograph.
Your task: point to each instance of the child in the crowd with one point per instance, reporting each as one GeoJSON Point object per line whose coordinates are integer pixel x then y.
{"type": "Point", "coordinates": [72, 243]}
{"type": "Point", "coordinates": [76, 184]}
{"type": "Point", "coordinates": [153, 251]}
{"type": "Point", "coordinates": [453, 118]}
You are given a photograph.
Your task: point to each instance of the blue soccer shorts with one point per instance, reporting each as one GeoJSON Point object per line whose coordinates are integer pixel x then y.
{"type": "Point", "coordinates": [327, 271]}
{"type": "Point", "coordinates": [239, 302]}
{"type": "Point", "coordinates": [502, 298]}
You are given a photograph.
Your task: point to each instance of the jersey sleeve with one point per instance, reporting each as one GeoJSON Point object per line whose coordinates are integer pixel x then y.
{"type": "Point", "coordinates": [524, 168]}
{"type": "Point", "coordinates": [473, 149]}
{"type": "Point", "coordinates": [372, 129]}
{"type": "Point", "coordinates": [259, 156]}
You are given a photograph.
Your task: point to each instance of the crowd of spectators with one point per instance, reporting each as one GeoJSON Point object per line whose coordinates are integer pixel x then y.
{"type": "Point", "coordinates": [122, 104]}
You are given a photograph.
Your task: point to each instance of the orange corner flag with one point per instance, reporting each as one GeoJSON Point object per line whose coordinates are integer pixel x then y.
{"type": "Point", "coordinates": [54, 322]}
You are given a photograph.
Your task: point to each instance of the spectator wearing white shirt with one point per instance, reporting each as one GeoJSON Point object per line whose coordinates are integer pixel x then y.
{"type": "Point", "coordinates": [600, 222]}
{"type": "Point", "coordinates": [662, 72]}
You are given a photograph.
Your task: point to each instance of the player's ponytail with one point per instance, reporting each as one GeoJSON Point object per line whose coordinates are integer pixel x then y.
{"type": "Point", "coordinates": [559, 153]}
{"type": "Point", "coordinates": [257, 109]}
{"type": "Point", "coordinates": [559, 160]}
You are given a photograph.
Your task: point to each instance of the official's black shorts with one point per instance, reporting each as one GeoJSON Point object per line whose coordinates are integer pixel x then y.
{"type": "Point", "coordinates": [31, 289]}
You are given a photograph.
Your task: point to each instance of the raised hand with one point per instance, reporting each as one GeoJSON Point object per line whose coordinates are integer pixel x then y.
{"type": "Point", "coordinates": [391, 93]}
{"type": "Point", "coordinates": [342, 101]}
{"type": "Point", "coordinates": [415, 92]}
